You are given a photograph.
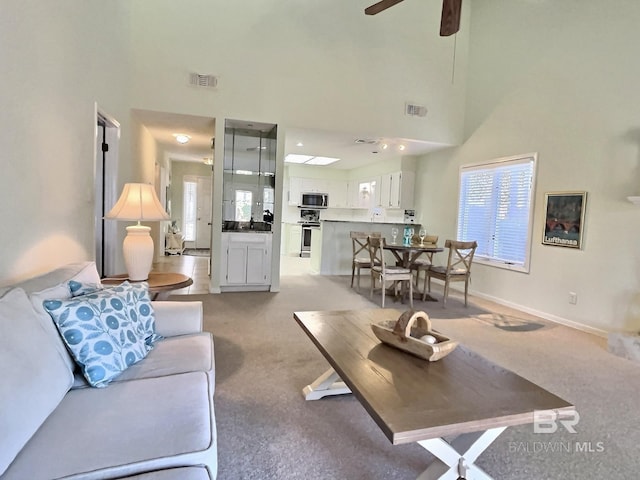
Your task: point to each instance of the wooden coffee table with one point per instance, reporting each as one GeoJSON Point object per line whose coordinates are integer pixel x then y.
{"type": "Point", "coordinates": [161, 284]}
{"type": "Point", "coordinates": [413, 400]}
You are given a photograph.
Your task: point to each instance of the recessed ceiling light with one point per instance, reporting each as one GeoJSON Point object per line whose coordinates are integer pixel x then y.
{"type": "Point", "coordinates": [182, 138]}
{"type": "Point", "coordinates": [309, 159]}
{"type": "Point", "coordinates": [384, 146]}
{"type": "Point", "coordinates": [299, 144]}
{"type": "Point", "coordinates": [295, 158]}
{"type": "Point", "coordinates": [401, 147]}
{"type": "Point", "coordinates": [322, 161]}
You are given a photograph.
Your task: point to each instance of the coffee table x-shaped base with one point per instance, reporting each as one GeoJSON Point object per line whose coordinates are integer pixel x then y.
{"type": "Point", "coordinates": [453, 460]}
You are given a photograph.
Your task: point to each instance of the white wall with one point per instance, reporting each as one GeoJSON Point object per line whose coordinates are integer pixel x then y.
{"type": "Point", "coordinates": [58, 59]}
{"type": "Point", "coordinates": [563, 83]}
{"type": "Point", "coordinates": [307, 64]}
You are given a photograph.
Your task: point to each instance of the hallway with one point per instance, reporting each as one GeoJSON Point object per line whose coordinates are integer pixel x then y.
{"type": "Point", "coordinates": [194, 266]}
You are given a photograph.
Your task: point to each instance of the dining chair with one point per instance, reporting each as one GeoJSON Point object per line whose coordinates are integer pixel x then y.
{"type": "Point", "coordinates": [387, 273]}
{"type": "Point", "coordinates": [458, 268]}
{"type": "Point", "coordinates": [361, 258]}
{"type": "Point", "coordinates": [424, 262]}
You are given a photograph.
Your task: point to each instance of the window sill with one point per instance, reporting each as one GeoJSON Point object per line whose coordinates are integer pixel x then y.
{"type": "Point", "coordinates": [500, 264]}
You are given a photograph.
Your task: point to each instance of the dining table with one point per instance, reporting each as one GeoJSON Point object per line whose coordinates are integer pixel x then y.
{"type": "Point", "coordinates": [406, 255]}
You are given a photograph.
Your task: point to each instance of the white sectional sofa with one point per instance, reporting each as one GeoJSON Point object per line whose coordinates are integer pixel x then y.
{"type": "Point", "coordinates": [154, 421]}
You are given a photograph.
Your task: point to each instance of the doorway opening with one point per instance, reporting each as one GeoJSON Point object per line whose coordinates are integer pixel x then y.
{"type": "Point", "coordinates": [107, 138]}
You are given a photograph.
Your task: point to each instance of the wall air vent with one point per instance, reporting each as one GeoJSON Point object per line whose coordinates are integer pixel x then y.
{"type": "Point", "coordinates": [365, 141]}
{"type": "Point", "coordinates": [414, 110]}
{"type": "Point", "coordinates": [199, 80]}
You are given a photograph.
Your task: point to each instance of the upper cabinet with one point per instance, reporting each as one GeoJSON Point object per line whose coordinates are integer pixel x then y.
{"type": "Point", "coordinates": [396, 190]}
{"type": "Point", "coordinates": [249, 171]}
{"type": "Point", "coordinates": [390, 190]}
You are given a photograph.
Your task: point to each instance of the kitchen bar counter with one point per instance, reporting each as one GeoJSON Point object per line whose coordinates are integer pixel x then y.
{"type": "Point", "coordinates": [414, 225]}
{"type": "Point", "coordinates": [331, 251]}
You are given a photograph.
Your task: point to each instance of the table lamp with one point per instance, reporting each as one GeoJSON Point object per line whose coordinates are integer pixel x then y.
{"type": "Point", "coordinates": [138, 202]}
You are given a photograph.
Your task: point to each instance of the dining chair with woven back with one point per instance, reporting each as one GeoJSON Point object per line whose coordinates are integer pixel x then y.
{"type": "Point", "coordinates": [458, 268]}
{"type": "Point", "coordinates": [424, 262]}
{"type": "Point", "coordinates": [387, 273]}
{"type": "Point", "coordinates": [361, 258]}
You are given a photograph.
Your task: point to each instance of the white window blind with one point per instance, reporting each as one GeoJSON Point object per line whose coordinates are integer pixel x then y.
{"type": "Point", "coordinates": [495, 209]}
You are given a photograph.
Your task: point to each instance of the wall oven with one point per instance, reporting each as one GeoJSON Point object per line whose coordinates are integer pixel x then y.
{"type": "Point", "coordinates": [314, 200]}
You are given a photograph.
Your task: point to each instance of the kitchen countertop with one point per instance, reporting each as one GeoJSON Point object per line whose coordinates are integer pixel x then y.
{"type": "Point", "coordinates": [372, 223]}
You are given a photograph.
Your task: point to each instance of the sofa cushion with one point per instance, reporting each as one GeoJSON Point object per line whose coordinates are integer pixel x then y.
{"type": "Point", "coordinates": [35, 377]}
{"type": "Point", "coordinates": [37, 299]}
{"type": "Point", "coordinates": [55, 285]}
{"type": "Point", "coordinates": [185, 473]}
{"type": "Point", "coordinates": [85, 272]}
{"type": "Point", "coordinates": [106, 331]}
{"type": "Point", "coordinates": [183, 354]}
{"type": "Point", "coordinates": [126, 429]}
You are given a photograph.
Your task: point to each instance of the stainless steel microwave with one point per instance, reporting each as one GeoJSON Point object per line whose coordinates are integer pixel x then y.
{"type": "Point", "coordinates": [314, 200]}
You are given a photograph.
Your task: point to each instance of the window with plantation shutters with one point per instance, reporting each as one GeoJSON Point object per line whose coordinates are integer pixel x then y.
{"type": "Point", "coordinates": [496, 210]}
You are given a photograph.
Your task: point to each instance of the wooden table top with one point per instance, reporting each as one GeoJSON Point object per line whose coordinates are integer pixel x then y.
{"type": "Point", "coordinates": [412, 399]}
{"type": "Point", "coordinates": [411, 252]}
{"type": "Point", "coordinates": [158, 281]}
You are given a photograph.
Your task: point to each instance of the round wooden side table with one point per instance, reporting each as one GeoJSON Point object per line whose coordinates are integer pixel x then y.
{"type": "Point", "coordinates": [161, 284]}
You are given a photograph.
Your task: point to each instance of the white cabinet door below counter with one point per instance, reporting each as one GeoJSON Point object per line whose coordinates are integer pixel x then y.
{"type": "Point", "coordinates": [246, 259]}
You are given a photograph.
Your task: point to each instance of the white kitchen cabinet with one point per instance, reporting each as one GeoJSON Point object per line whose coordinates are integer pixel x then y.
{"type": "Point", "coordinates": [396, 190]}
{"type": "Point", "coordinates": [315, 185]}
{"type": "Point", "coordinates": [352, 193]}
{"type": "Point", "coordinates": [295, 188]}
{"type": "Point", "coordinates": [246, 259]}
{"type": "Point", "coordinates": [295, 239]}
{"type": "Point", "coordinates": [338, 193]}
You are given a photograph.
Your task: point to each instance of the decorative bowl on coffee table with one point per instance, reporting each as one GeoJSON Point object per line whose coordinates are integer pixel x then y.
{"type": "Point", "coordinates": [412, 333]}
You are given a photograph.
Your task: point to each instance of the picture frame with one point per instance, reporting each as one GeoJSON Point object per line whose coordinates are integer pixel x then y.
{"type": "Point", "coordinates": [564, 219]}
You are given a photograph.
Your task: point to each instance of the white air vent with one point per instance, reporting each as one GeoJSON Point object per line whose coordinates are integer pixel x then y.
{"type": "Point", "coordinates": [414, 110]}
{"type": "Point", "coordinates": [199, 80]}
{"type": "Point", "coordinates": [366, 141]}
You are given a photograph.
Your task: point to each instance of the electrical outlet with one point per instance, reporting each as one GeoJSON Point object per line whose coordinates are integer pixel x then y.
{"type": "Point", "coordinates": [573, 298]}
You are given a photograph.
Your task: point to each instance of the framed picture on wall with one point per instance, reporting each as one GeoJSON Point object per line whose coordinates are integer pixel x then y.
{"type": "Point", "coordinates": [564, 219]}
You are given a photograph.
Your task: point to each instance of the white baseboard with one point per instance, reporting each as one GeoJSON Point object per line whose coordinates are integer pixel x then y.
{"type": "Point", "coordinates": [545, 315]}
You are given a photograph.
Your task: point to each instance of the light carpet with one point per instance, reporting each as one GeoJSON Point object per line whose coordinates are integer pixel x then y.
{"type": "Point", "coordinates": [266, 430]}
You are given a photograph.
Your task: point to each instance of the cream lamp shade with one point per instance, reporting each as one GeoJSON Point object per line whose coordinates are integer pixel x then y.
{"type": "Point", "coordinates": [138, 202]}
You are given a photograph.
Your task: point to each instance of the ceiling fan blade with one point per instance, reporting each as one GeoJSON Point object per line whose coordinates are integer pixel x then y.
{"type": "Point", "coordinates": [380, 6]}
{"type": "Point", "coordinates": [450, 23]}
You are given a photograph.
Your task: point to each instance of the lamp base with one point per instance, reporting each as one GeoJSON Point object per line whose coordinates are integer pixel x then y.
{"type": "Point", "coordinates": [137, 249]}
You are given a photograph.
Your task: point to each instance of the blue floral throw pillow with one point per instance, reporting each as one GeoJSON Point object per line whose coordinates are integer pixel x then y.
{"type": "Point", "coordinates": [140, 310]}
{"type": "Point", "coordinates": [81, 288]}
{"type": "Point", "coordinates": [106, 331]}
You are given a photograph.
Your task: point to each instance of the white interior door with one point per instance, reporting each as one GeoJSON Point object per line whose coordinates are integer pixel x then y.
{"type": "Point", "coordinates": [203, 219]}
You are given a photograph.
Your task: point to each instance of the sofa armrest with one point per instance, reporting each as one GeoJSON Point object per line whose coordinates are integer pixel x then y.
{"type": "Point", "coordinates": [177, 318]}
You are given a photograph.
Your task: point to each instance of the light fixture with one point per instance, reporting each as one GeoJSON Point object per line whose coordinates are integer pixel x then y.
{"type": "Point", "coordinates": [182, 138]}
{"type": "Point", "coordinates": [138, 202]}
{"type": "Point", "coordinates": [321, 161]}
{"type": "Point", "coordinates": [401, 147]}
{"type": "Point", "coordinates": [299, 144]}
{"type": "Point", "coordinates": [309, 159]}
